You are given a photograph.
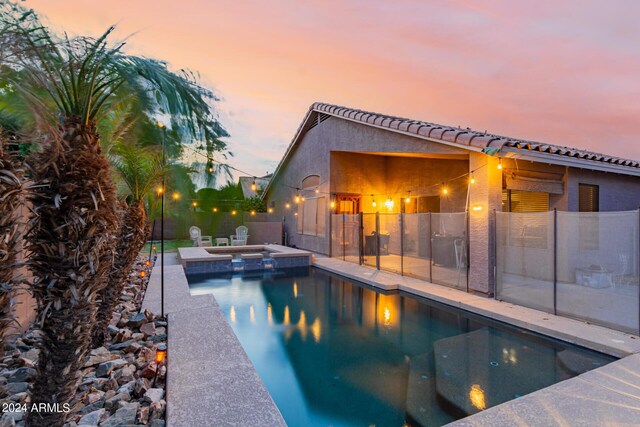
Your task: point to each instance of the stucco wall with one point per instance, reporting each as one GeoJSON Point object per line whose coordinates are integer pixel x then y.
{"type": "Point", "coordinates": [617, 192]}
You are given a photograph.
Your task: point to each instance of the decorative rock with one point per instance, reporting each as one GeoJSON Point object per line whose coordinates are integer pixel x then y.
{"type": "Point", "coordinates": [92, 408]}
{"type": "Point", "coordinates": [154, 395]}
{"type": "Point", "coordinates": [93, 397]}
{"type": "Point", "coordinates": [137, 320]}
{"type": "Point", "coordinates": [123, 417]}
{"type": "Point", "coordinates": [148, 329]}
{"type": "Point", "coordinates": [157, 423]}
{"type": "Point", "coordinates": [137, 336]}
{"type": "Point", "coordinates": [143, 415]}
{"type": "Point", "coordinates": [157, 410]}
{"type": "Point", "coordinates": [109, 394]}
{"type": "Point", "coordinates": [141, 387]}
{"type": "Point", "coordinates": [112, 403]}
{"type": "Point", "coordinates": [133, 347]}
{"type": "Point", "coordinates": [120, 346]}
{"type": "Point", "coordinates": [112, 329]}
{"type": "Point", "coordinates": [15, 388]}
{"type": "Point", "coordinates": [123, 335]}
{"type": "Point", "coordinates": [97, 356]}
{"type": "Point", "coordinates": [21, 375]}
{"type": "Point", "coordinates": [104, 369]}
{"type": "Point", "coordinates": [127, 388]}
{"type": "Point", "coordinates": [149, 371]}
{"type": "Point", "coordinates": [161, 330]}
{"type": "Point", "coordinates": [32, 354]}
{"type": "Point", "coordinates": [115, 318]}
{"type": "Point", "coordinates": [124, 375]}
{"type": "Point", "coordinates": [92, 419]}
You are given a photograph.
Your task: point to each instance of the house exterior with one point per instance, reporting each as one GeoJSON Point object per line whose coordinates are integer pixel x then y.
{"type": "Point", "coordinates": [344, 160]}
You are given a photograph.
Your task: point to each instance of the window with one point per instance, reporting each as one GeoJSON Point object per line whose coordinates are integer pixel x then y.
{"type": "Point", "coordinates": [524, 201]}
{"type": "Point", "coordinates": [311, 209]}
{"type": "Point", "coordinates": [588, 198]}
{"type": "Point", "coordinates": [347, 204]}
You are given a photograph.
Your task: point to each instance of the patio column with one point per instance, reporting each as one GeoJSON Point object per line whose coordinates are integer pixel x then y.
{"type": "Point", "coordinates": [485, 196]}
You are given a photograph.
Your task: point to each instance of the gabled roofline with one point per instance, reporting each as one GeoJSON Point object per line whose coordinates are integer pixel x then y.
{"type": "Point", "coordinates": [467, 139]}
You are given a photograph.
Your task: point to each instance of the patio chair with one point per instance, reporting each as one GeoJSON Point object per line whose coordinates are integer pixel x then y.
{"type": "Point", "coordinates": [241, 236]}
{"type": "Point", "coordinates": [198, 239]}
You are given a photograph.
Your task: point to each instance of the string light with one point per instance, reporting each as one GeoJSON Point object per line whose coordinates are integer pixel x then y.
{"type": "Point", "coordinates": [254, 187]}
{"type": "Point", "coordinates": [176, 196]}
{"type": "Point", "coordinates": [408, 199]}
{"type": "Point", "coordinates": [194, 204]}
{"type": "Point", "coordinates": [270, 210]}
{"type": "Point", "coordinates": [287, 205]}
{"type": "Point", "coordinates": [233, 212]}
{"type": "Point", "coordinates": [472, 180]}
{"type": "Point", "coordinates": [374, 204]}
{"type": "Point", "coordinates": [297, 199]}
{"type": "Point", "coordinates": [445, 190]}
{"type": "Point", "coordinates": [499, 164]}
{"type": "Point", "coordinates": [215, 210]}
{"type": "Point", "coordinates": [317, 190]}
{"type": "Point", "coordinates": [160, 190]}
{"type": "Point", "coordinates": [253, 213]}
{"type": "Point", "coordinates": [333, 204]}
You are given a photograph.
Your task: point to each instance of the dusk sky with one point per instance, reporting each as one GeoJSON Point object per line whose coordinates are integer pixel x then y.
{"type": "Point", "coordinates": [563, 72]}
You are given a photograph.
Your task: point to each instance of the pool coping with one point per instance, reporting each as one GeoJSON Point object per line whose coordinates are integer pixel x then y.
{"type": "Point", "coordinates": [210, 379]}
{"type": "Point", "coordinates": [598, 338]}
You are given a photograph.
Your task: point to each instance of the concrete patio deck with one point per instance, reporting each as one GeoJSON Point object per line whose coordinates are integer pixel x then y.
{"type": "Point", "coordinates": [210, 379]}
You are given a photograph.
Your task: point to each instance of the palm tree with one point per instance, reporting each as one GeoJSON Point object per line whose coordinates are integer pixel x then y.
{"type": "Point", "coordinates": [75, 222]}
{"type": "Point", "coordinates": [139, 170]}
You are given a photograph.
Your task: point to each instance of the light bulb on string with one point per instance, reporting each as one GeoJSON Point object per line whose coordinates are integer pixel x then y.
{"type": "Point", "coordinates": [444, 189]}
{"type": "Point", "coordinates": [499, 164]}
{"type": "Point", "coordinates": [408, 199]}
{"type": "Point", "coordinates": [472, 180]}
{"type": "Point", "coordinates": [254, 186]}
{"type": "Point", "coordinates": [374, 204]}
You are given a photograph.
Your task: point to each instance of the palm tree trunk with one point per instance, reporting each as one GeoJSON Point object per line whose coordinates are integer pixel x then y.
{"type": "Point", "coordinates": [130, 241]}
{"type": "Point", "coordinates": [11, 197]}
{"type": "Point", "coordinates": [71, 242]}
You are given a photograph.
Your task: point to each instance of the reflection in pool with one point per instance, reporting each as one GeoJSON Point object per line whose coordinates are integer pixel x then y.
{"type": "Point", "coordinates": [335, 353]}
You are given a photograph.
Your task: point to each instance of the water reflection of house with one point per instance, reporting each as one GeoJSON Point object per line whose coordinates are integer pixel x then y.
{"type": "Point", "coordinates": [344, 160]}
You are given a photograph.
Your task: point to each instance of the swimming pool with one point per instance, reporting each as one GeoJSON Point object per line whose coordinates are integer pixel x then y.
{"type": "Point", "coordinates": [336, 353]}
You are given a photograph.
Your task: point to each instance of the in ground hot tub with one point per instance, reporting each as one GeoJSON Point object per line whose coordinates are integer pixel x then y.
{"type": "Point", "coordinates": [222, 259]}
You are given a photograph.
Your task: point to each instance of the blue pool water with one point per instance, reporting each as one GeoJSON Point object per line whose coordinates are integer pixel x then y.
{"type": "Point", "coordinates": [335, 353]}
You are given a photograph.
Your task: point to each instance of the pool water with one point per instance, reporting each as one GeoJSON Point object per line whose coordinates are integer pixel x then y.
{"type": "Point", "coordinates": [335, 353]}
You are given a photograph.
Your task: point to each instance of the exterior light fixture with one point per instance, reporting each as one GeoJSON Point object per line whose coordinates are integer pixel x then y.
{"type": "Point", "coordinates": [333, 204]}
{"type": "Point", "coordinates": [253, 212]}
{"type": "Point", "coordinates": [499, 164]}
{"type": "Point", "coordinates": [287, 205]}
{"type": "Point", "coordinates": [374, 204]}
{"type": "Point", "coordinates": [297, 199]}
{"type": "Point", "coordinates": [472, 180]}
{"type": "Point", "coordinates": [143, 273]}
{"type": "Point", "coordinates": [317, 190]}
{"type": "Point", "coordinates": [444, 189]}
{"type": "Point", "coordinates": [210, 169]}
{"type": "Point", "coordinates": [233, 212]}
{"type": "Point", "coordinates": [270, 210]}
{"type": "Point", "coordinates": [214, 210]}
{"type": "Point", "coordinates": [254, 187]}
{"type": "Point", "coordinates": [477, 208]}
{"type": "Point", "coordinates": [161, 354]}
{"type": "Point", "coordinates": [389, 203]}
{"type": "Point", "coordinates": [408, 199]}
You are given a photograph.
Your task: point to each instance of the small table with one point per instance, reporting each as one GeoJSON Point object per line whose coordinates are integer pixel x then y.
{"type": "Point", "coordinates": [222, 241]}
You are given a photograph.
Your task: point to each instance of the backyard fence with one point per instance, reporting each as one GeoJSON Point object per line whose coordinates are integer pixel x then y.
{"type": "Point", "coordinates": [583, 265]}
{"type": "Point", "coordinates": [428, 246]}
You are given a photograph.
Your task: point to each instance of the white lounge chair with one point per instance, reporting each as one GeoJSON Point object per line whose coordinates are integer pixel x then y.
{"type": "Point", "coordinates": [198, 239]}
{"type": "Point", "coordinates": [241, 236]}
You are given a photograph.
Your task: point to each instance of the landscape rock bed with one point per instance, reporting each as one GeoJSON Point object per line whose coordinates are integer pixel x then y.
{"type": "Point", "coordinates": [120, 384]}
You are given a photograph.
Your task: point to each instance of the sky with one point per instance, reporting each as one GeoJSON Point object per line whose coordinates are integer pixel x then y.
{"type": "Point", "coordinates": [561, 72]}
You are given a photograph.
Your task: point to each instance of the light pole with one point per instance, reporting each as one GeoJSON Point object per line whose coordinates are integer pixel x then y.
{"type": "Point", "coordinates": [163, 130]}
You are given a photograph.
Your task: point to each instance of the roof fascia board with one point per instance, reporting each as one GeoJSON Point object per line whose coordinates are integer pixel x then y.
{"type": "Point", "coordinates": [556, 159]}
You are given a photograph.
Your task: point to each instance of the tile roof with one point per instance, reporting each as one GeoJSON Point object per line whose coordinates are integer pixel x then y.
{"type": "Point", "coordinates": [464, 137]}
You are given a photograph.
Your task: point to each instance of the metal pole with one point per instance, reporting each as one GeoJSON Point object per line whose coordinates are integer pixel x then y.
{"type": "Point", "coordinates": [555, 260]}
{"type": "Point", "coordinates": [430, 248]}
{"type": "Point", "coordinates": [639, 271]}
{"type": "Point", "coordinates": [153, 229]}
{"type": "Point", "coordinates": [378, 240]}
{"type": "Point", "coordinates": [467, 249]}
{"type": "Point", "coordinates": [162, 229]}
{"type": "Point", "coordinates": [495, 254]}
{"type": "Point", "coordinates": [401, 244]}
{"type": "Point", "coordinates": [360, 238]}
{"type": "Point", "coordinates": [344, 243]}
